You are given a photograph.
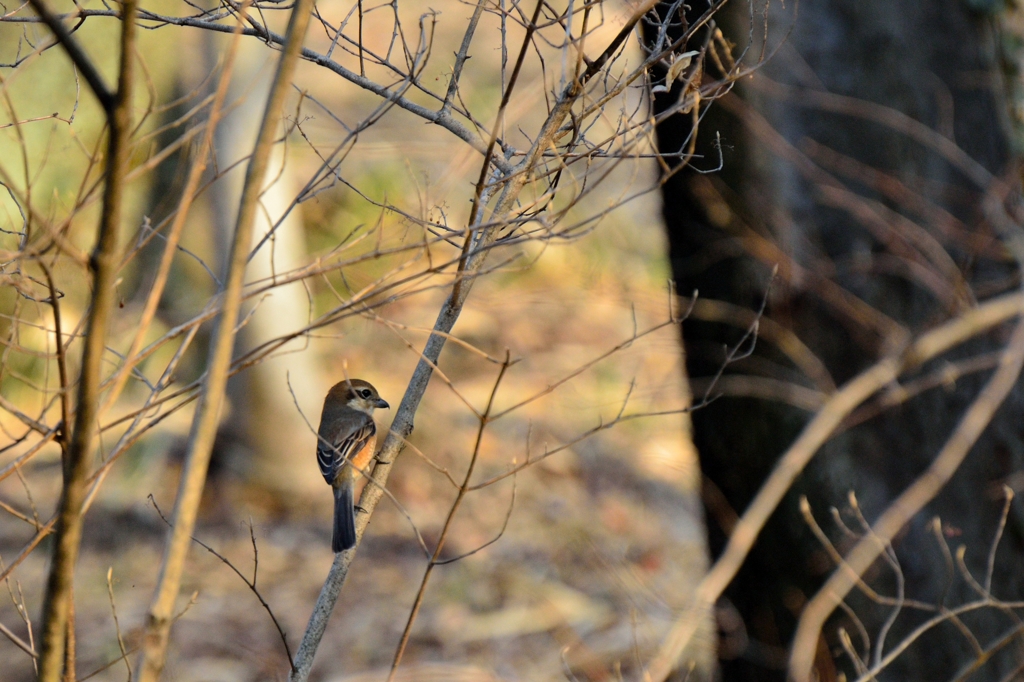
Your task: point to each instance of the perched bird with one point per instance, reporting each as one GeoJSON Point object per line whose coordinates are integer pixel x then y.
{"type": "Point", "coordinates": [345, 443]}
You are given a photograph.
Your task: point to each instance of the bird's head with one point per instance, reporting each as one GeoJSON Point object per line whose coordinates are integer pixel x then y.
{"type": "Point", "coordinates": [357, 394]}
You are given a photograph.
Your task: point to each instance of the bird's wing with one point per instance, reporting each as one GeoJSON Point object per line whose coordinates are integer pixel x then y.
{"type": "Point", "coordinates": [347, 443]}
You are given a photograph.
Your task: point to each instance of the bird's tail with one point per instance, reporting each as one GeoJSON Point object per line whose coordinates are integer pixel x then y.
{"type": "Point", "coordinates": [344, 536]}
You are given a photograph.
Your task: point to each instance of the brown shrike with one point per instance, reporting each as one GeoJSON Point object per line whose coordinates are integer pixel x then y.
{"type": "Point", "coordinates": [345, 443]}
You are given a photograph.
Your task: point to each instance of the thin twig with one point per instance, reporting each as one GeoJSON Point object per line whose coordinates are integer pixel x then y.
{"type": "Point", "coordinates": [173, 235]}
{"type": "Point", "coordinates": [483, 421]}
{"type": "Point", "coordinates": [208, 412]}
{"type": "Point", "coordinates": [251, 584]}
{"type": "Point", "coordinates": [62, 367]}
{"type": "Point", "coordinates": [18, 641]}
{"type": "Point", "coordinates": [793, 461]}
{"type": "Point", "coordinates": [913, 499]}
{"type": "Point", "coordinates": [117, 623]}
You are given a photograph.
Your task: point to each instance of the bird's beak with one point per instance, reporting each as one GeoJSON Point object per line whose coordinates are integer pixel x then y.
{"type": "Point", "coordinates": [382, 403]}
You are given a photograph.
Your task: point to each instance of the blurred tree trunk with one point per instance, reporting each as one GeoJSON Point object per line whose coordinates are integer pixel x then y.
{"type": "Point", "coordinates": [263, 432]}
{"type": "Point", "coordinates": [874, 230]}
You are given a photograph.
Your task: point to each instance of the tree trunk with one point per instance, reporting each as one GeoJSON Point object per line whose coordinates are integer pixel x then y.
{"type": "Point", "coordinates": [838, 169]}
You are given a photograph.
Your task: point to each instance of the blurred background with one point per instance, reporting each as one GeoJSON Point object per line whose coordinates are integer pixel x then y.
{"type": "Point", "coordinates": [854, 185]}
{"type": "Point", "coordinates": [599, 543]}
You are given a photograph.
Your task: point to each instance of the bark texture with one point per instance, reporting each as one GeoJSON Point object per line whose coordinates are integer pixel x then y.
{"type": "Point", "coordinates": [878, 230]}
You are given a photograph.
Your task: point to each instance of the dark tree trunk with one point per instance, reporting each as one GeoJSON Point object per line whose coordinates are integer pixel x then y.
{"type": "Point", "coordinates": [874, 230]}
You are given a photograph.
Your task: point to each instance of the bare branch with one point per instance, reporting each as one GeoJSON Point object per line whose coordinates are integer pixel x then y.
{"type": "Point", "coordinates": [57, 605]}
{"type": "Point", "coordinates": [208, 412]}
{"type": "Point", "coordinates": [912, 500]}
{"type": "Point", "coordinates": [792, 462]}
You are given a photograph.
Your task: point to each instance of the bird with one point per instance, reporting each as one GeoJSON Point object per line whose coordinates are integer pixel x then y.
{"type": "Point", "coordinates": [345, 443]}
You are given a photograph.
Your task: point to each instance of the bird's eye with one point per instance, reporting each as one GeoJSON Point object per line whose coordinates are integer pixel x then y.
{"type": "Point", "coordinates": [364, 393]}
